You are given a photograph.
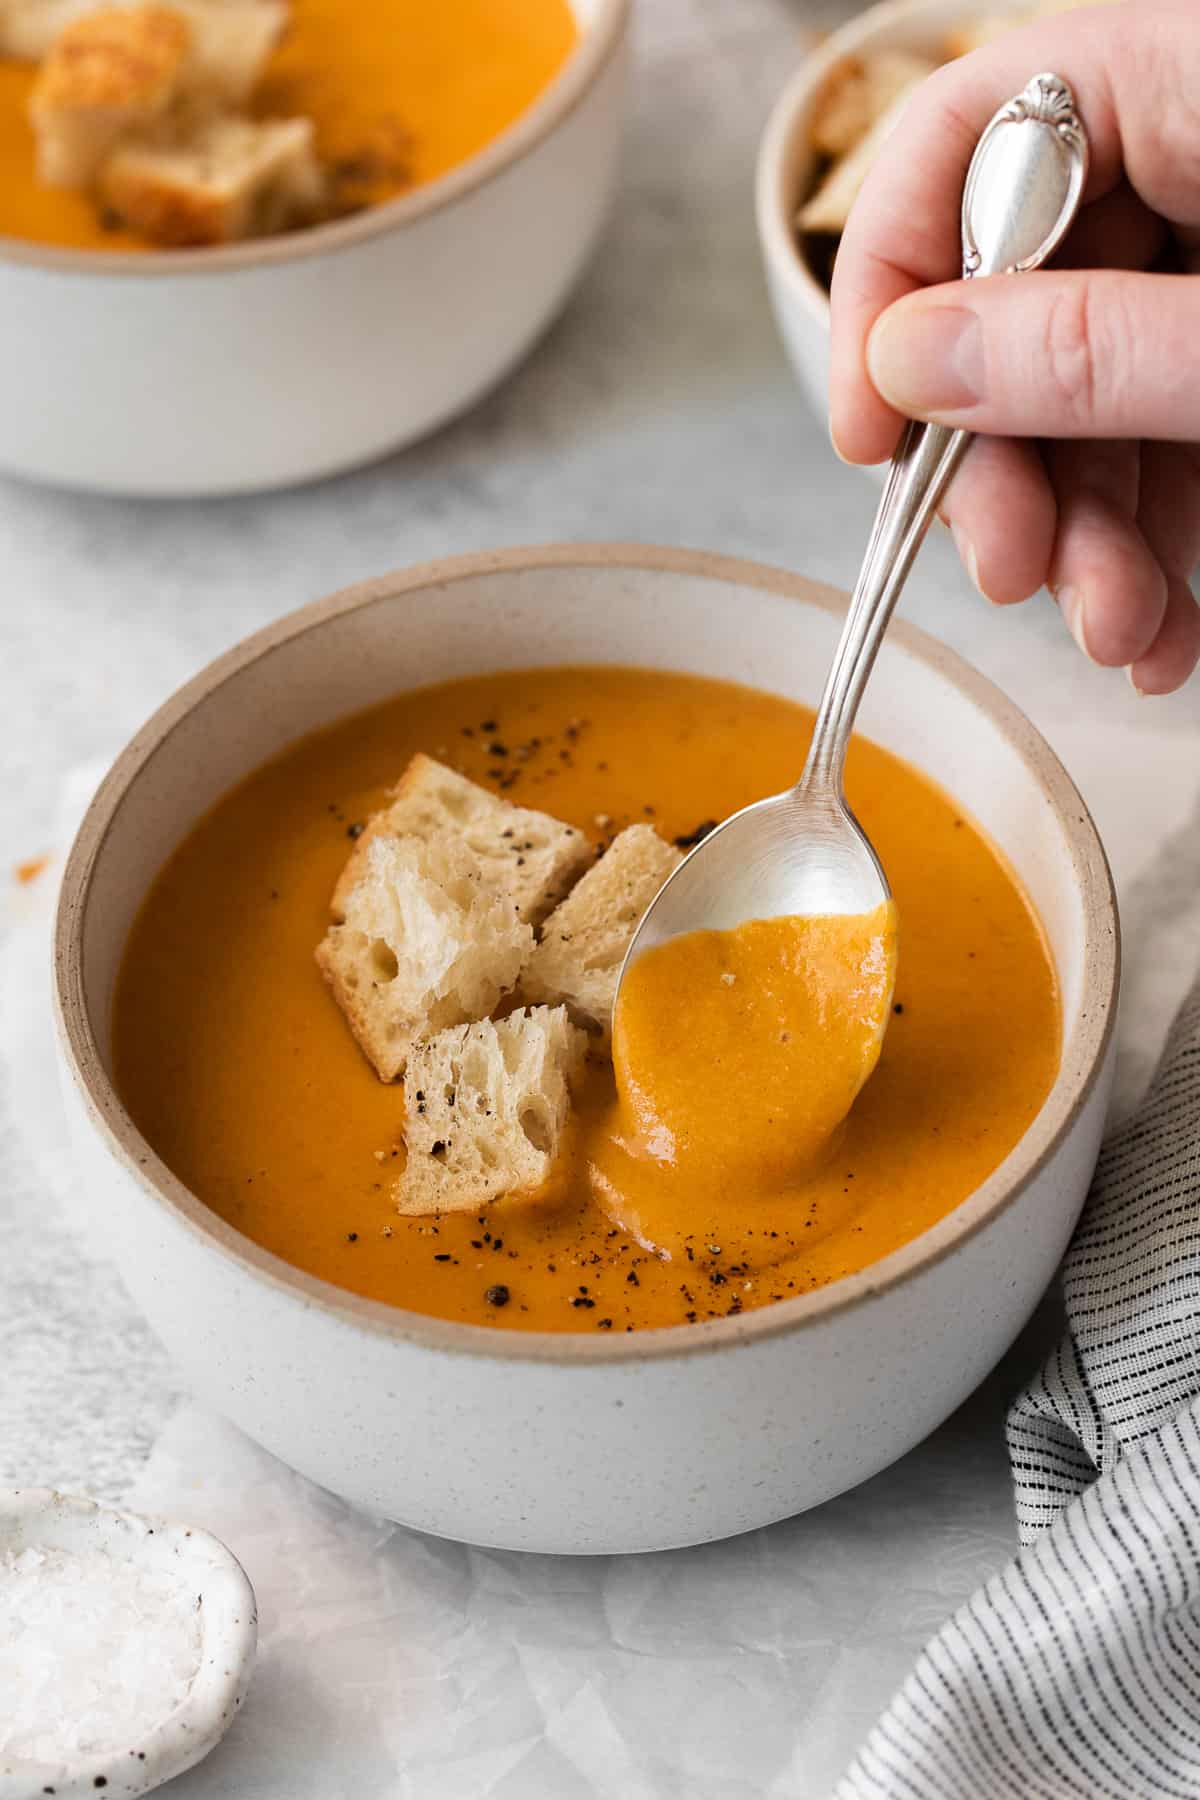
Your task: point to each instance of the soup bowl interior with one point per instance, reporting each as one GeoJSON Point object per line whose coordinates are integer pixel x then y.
{"type": "Point", "coordinates": [675, 1435]}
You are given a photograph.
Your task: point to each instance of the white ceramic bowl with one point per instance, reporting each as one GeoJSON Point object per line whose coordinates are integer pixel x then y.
{"type": "Point", "coordinates": [206, 1576]}
{"type": "Point", "coordinates": [227, 370]}
{"type": "Point", "coordinates": [559, 1442]}
{"type": "Point", "coordinates": [786, 165]}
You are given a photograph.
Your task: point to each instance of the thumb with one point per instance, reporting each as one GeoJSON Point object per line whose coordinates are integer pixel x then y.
{"type": "Point", "coordinates": [1062, 353]}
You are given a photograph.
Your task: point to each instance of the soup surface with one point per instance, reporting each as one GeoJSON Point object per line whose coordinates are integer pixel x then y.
{"type": "Point", "coordinates": [436, 81]}
{"type": "Point", "coordinates": [238, 1067]}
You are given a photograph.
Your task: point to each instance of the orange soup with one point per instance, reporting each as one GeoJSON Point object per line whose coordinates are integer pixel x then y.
{"type": "Point", "coordinates": [399, 91]}
{"type": "Point", "coordinates": [238, 1067]}
{"type": "Point", "coordinates": [785, 1019]}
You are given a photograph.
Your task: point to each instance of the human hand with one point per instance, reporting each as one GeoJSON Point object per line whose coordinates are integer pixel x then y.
{"type": "Point", "coordinates": [1084, 379]}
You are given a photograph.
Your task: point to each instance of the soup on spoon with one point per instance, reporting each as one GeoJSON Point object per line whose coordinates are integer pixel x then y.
{"type": "Point", "coordinates": [738, 1055]}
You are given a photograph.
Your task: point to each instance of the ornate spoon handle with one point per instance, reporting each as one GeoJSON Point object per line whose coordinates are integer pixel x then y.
{"type": "Point", "coordinates": [1022, 192]}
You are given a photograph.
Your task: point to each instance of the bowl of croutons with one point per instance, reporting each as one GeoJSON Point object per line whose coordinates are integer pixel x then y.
{"type": "Point", "coordinates": [248, 243]}
{"type": "Point", "coordinates": [828, 127]}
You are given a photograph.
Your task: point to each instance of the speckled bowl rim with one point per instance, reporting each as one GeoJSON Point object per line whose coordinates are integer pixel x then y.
{"type": "Point", "coordinates": [1072, 1087]}
{"type": "Point", "coordinates": [775, 203]}
{"type": "Point", "coordinates": [595, 48]}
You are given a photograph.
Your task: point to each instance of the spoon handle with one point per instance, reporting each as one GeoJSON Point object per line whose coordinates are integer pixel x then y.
{"type": "Point", "coordinates": [920, 473]}
{"type": "Point", "coordinates": [1022, 191]}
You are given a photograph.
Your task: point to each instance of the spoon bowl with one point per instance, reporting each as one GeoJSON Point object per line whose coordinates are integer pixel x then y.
{"type": "Point", "coordinates": [795, 854]}
{"type": "Point", "coordinates": [803, 853]}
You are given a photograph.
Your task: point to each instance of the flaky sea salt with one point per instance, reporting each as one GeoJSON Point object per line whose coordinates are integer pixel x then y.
{"type": "Point", "coordinates": [94, 1652]}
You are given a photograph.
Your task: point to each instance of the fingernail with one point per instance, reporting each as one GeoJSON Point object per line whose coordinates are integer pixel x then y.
{"type": "Point", "coordinates": [1070, 605]}
{"type": "Point", "coordinates": [970, 561]}
{"type": "Point", "coordinates": [837, 448]}
{"type": "Point", "coordinates": [1141, 693]}
{"type": "Point", "coordinates": [927, 359]}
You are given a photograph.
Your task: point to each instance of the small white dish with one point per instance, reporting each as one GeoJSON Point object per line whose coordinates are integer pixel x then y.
{"type": "Point", "coordinates": [258, 365]}
{"type": "Point", "coordinates": [208, 1578]}
{"type": "Point", "coordinates": [787, 163]}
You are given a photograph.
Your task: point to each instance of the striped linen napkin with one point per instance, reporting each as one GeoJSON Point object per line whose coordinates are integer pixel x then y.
{"type": "Point", "coordinates": [1076, 1670]}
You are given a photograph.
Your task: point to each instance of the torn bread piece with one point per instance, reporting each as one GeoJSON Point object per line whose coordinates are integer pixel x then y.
{"type": "Point", "coordinates": [585, 939]}
{"type": "Point", "coordinates": [154, 75]}
{"type": "Point", "coordinates": [230, 43]}
{"type": "Point", "coordinates": [229, 179]}
{"type": "Point", "coordinates": [487, 1106]}
{"type": "Point", "coordinates": [425, 942]}
{"type": "Point", "coordinates": [112, 72]}
{"type": "Point", "coordinates": [527, 855]}
{"type": "Point", "coordinates": [829, 207]}
{"type": "Point", "coordinates": [859, 92]}
{"type": "Point", "coordinates": [29, 27]}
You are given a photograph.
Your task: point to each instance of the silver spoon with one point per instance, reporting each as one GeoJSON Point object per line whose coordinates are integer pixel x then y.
{"type": "Point", "coordinates": [803, 852]}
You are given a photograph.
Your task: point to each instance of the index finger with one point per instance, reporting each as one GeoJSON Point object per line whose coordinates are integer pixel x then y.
{"type": "Point", "coordinates": [904, 230]}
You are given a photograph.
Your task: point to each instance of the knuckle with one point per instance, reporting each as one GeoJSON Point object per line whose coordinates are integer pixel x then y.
{"type": "Point", "coordinates": [1169, 162]}
{"type": "Point", "coordinates": [1163, 132]}
{"type": "Point", "coordinates": [1073, 355]}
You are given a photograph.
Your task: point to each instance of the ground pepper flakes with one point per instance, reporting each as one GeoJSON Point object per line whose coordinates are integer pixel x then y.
{"type": "Point", "coordinates": [690, 839]}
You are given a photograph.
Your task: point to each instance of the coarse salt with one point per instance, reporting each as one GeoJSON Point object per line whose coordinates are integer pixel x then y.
{"type": "Point", "coordinates": [95, 1652]}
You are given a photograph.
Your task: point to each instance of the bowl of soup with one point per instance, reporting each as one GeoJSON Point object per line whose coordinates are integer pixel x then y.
{"type": "Point", "coordinates": [532, 1374]}
{"type": "Point", "coordinates": [465, 156]}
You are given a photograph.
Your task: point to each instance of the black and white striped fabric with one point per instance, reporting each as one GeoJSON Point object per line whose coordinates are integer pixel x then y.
{"type": "Point", "coordinates": [1076, 1670]}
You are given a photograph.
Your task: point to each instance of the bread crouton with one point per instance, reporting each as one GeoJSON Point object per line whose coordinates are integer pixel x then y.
{"type": "Point", "coordinates": [858, 92]}
{"type": "Point", "coordinates": [487, 1108]}
{"type": "Point", "coordinates": [231, 41]}
{"type": "Point", "coordinates": [829, 207]}
{"type": "Point", "coordinates": [111, 72]}
{"type": "Point", "coordinates": [529, 856]}
{"type": "Point", "coordinates": [425, 943]}
{"type": "Point", "coordinates": [153, 75]}
{"type": "Point", "coordinates": [585, 939]}
{"type": "Point", "coordinates": [28, 28]}
{"type": "Point", "coordinates": [229, 179]}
